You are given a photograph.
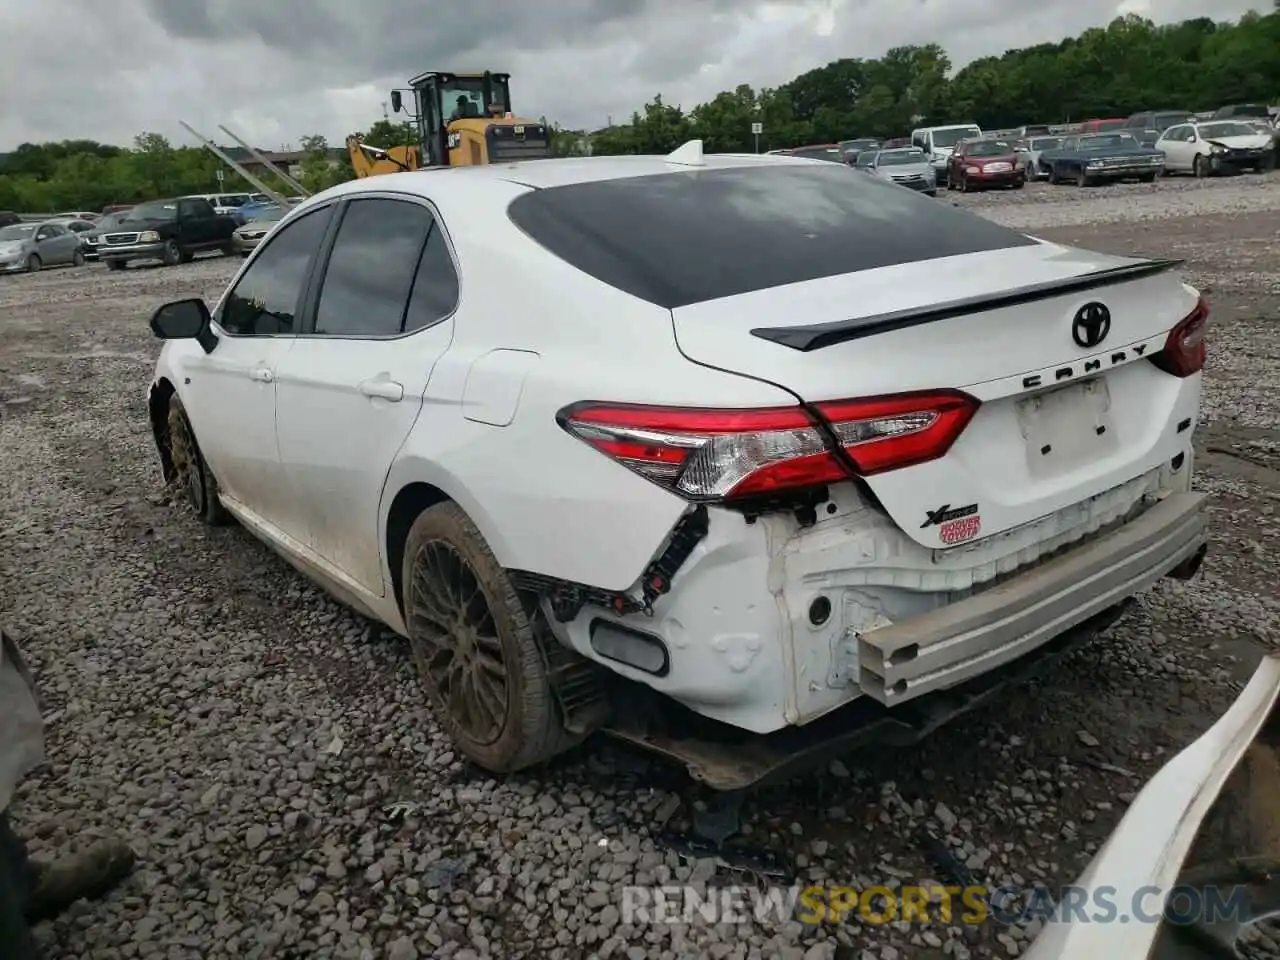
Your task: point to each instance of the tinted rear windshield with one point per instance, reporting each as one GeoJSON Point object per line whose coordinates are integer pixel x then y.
{"type": "Point", "coordinates": [679, 238]}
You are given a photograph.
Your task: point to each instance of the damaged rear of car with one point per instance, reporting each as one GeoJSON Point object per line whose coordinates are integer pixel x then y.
{"type": "Point", "coordinates": [984, 451]}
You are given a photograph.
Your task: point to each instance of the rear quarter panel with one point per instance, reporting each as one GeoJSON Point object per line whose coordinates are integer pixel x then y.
{"type": "Point", "coordinates": [545, 501]}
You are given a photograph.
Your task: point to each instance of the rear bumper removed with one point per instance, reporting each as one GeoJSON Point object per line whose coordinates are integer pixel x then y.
{"type": "Point", "coordinates": [935, 667]}
{"type": "Point", "coordinates": [954, 643]}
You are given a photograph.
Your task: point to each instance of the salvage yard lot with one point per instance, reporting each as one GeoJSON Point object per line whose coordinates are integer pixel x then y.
{"type": "Point", "coordinates": [249, 736]}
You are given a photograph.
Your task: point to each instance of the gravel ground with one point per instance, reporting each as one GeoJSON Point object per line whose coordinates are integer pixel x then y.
{"type": "Point", "coordinates": [268, 755]}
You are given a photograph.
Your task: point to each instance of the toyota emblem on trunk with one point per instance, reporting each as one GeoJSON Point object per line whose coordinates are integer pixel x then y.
{"type": "Point", "coordinates": [1091, 325]}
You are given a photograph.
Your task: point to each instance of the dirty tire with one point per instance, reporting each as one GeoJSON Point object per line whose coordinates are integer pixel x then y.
{"type": "Point", "coordinates": [77, 259]}
{"type": "Point", "coordinates": [1082, 178]}
{"type": "Point", "coordinates": [229, 250]}
{"type": "Point", "coordinates": [115, 264]}
{"type": "Point", "coordinates": [192, 474]}
{"type": "Point", "coordinates": [188, 256]}
{"type": "Point", "coordinates": [460, 608]}
{"type": "Point", "coordinates": [34, 264]}
{"type": "Point", "coordinates": [172, 255]}
{"type": "Point", "coordinates": [1148, 178]}
{"type": "Point", "coordinates": [1018, 184]}
{"type": "Point", "coordinates": [1199, 167]}
{"type": "Point", "coordinates": [1053, 176]}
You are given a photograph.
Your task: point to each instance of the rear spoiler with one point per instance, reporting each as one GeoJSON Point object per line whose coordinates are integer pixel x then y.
{"type": "Point", "coordinates": [818, 335]}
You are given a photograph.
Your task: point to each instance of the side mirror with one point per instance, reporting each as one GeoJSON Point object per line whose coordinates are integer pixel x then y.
{"type": "Point", "coordinates": [396, 102]}
{"type": "Point", "coordinates": [185, 320]}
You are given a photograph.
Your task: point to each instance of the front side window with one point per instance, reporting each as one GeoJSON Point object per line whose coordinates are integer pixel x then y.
{"type": "Point", "coordinates": [370, 272]}
{"type": "Point", "coordinates": [265, 300]}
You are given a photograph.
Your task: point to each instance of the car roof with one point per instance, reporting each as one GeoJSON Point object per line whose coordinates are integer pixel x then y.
{"type": "Point", "coordinates": [559, 172]}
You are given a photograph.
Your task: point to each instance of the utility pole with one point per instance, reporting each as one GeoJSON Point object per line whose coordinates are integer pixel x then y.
{"type": "Point", "coordinates": [302, 191]}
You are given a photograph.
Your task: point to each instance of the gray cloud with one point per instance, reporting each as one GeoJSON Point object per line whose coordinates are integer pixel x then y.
{"type": "Point", "coordinates": [277, 69]}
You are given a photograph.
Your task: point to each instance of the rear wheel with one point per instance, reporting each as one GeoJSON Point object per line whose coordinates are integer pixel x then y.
{"type": "Point", "coordinates": [475, 648]}
{"type": "Point", "coordinates": [191, 473]}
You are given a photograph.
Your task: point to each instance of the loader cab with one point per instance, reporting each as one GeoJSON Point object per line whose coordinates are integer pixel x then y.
{"type": "Point", "coordinates": [443, 99]}
{"type": "Point", "coordinates": [465, 119]}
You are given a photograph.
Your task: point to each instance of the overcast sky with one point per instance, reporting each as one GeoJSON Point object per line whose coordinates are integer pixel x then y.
{"type": "Point", "coordinates": [273, 70]}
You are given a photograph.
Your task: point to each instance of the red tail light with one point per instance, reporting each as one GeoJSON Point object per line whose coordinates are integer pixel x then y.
{"type": "Point", "coordinates": [708, 454]}
{"type": "Point", "coordinates": [1184, 350]}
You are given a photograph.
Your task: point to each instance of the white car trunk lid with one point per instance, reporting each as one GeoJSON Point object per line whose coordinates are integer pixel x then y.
{"type": "Point", "coordinates": [1059, 423]}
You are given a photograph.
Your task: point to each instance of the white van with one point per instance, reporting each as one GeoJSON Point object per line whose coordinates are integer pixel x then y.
{"type": "Point", "coordinates": [938, 142]}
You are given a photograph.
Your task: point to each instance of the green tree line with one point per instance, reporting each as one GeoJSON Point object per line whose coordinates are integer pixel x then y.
{"type": "Point", "coordinates": [1113, 71]}
{"type": "Point", "coordinates": [1129, 65]}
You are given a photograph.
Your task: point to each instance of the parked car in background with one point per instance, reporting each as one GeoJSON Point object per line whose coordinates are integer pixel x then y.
{"type": "Point", "coordinates": [938, 142]}
{"type": "Point", "coordinates": [29, 247]}
{"type": "Point", "coordinates": [1032, 130]}
{"type": "Point", "coordinates": [820, 151]}
{"type": "Point", "coordinates": [89, 240]}
{"type": "Point", "coordinates": [1102, 125]}
{"type": "Point", "coordinates": [7, 217]}
{"type": "Point", "coordinates": [982, 163]}
{"type": "Point", "coordinates": [74, 224]}
{"type": "Point", "coordinates": [1029, 151]}
{"type": "Point", "coordinates": [171, 231]}
{"type": "Point", "coordinates": [1216, 147]}
{"type": "Point", "coordinates": [858, 145]}
{"type": "Point", "coordinates": [116, 208]}
{"type": "Point", "coordinates": [1160, 120]}
{"type": "Point", "coordinates": [1090, 158]}
{"type": "Point", "coordinates": [907, 167]}
{"type": "Point", "coordinates": [1239, 111]}
{"type": "Point", "coordinates": [248, 235]}
{"type": "Point", "coordinates": [780, 152]}
{"type": "Point", "coordinates": [225, 204]}
{"type": "Point", "coordinates": [76, 215]}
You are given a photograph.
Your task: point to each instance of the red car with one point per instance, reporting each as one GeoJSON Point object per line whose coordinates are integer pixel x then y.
{"type": "Point", "coordinates": [1103, 126]}
{"type": "Point", "coordinates": [978, 164]}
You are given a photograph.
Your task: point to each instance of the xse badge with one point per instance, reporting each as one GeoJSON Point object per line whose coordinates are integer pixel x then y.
{"type": "Point", "coordinates": [955, 524]}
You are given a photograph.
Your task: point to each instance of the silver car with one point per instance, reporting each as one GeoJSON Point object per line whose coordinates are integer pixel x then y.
{"type": "Point", "coordinates": [1029, 151]}
{"type": "Point", "coordinates": [26, 247]}
{"type": "Point", "coordinates": [906, 166]}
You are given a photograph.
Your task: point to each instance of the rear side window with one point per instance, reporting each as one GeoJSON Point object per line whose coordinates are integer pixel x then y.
{"type": "Point", "coordinates": [675, 239]}
{"type": "Point", "coordinates": [370, 273]}
{"type": "Point", "coordinates": [435, 286]}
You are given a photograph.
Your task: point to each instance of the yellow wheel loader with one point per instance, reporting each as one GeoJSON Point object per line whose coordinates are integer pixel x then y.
{"type": "Point", "coordinates": [462, 119]}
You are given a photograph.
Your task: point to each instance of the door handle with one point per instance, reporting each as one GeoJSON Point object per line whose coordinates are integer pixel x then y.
{"type": "Point", "coordinates": [382, 389]}
{"type": "Point", "coordinates": [262, 374]}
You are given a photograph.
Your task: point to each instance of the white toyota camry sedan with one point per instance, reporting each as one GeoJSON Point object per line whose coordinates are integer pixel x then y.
{"type": "Point", "coordinates": [736, 456]}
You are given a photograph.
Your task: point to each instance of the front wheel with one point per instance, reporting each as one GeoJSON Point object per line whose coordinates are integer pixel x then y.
{"type": "Point", "coordinates": [475, 647]}
{"type": "Point", "coordinates": [115, 264]}
{"type": "Point", "coordinates": [77, 258]}
{"type": "Point", "coordinates": [1148, 178]}
{"type": "Point", "coordinates": [1200, 166]}
{"type": "Point", "coordinates": [1018, 184]}
{"type": "Point", "coordinates": [190, 471]}
{"type": "Point", "coordinates": [34, 264]}
{"type": "Point", "coordinates": [172, 254]}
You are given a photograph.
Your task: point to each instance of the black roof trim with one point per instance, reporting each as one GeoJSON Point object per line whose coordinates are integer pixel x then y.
{"type": "Point", "coordinates": [819, 335]}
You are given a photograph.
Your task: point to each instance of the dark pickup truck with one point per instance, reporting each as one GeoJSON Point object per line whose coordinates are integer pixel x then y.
{"type": "Point", "coordinates": [171, 231]}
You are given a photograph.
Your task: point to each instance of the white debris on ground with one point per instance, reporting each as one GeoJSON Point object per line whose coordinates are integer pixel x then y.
{"type": "Point", "coordinates": [270, 758]}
